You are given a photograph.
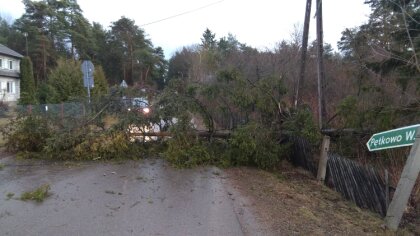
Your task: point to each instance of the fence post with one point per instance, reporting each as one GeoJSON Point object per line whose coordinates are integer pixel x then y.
{"type": "Point", "coordinates": [30, 109]}
{"type": "Point", "coordinates": [323, 159]}
{"type": "Point", "coordinates": [62, 112]}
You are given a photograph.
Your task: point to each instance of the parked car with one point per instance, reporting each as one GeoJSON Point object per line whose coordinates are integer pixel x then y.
{"type": "Point", "coordinates": [139, 104]}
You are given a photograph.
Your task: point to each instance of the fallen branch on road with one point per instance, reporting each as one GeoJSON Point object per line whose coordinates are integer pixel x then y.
{"type": "Point", "coordinates": [217, 134]}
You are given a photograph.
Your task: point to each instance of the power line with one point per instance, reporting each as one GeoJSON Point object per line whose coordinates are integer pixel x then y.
{"type": "Point", "coordinates": [183, 13]}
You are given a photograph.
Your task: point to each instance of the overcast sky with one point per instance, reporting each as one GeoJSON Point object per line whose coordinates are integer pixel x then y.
{"type": "Point", "coordinates": [261, 23]}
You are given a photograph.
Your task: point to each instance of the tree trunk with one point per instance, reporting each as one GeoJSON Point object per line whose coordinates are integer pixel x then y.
{"type": "Point", "coordinates": [44, 59]}
{"type": "Point", "coordinates": [130, 79]}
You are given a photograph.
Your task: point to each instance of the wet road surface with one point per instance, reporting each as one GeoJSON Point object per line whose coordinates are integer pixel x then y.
{"type": "Point", "coordinates": [133, 198]}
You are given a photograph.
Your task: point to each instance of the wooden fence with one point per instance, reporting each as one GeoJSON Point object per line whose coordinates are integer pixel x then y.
{"type": "Point", "coordinates": [302, 154]}
{"type": "Point", "coordinates": [361, 184]}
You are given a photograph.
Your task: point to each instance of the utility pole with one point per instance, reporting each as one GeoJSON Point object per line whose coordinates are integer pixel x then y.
{"type": "Point", "coordinates": [26, 43]}
{"type": "Point", "coordinates": [321, 71]}
{"type": "Point", "coordinates": [301, 78]}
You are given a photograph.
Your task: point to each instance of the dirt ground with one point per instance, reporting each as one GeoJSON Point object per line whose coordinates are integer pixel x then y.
{"type": "Point", "coordinates": [293, 203]}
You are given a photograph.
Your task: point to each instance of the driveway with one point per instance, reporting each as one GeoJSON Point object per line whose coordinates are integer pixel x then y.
{"type": "Point", "coordinates": [145, 197]}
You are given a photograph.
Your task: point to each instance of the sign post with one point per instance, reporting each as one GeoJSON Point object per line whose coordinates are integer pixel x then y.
{"type": "Point", "coordinates": [88, 69]}
{"type": "Point", "coordinates": [401, 137]}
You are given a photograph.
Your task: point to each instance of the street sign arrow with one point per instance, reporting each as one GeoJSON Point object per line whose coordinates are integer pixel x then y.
{"type": "Point", "coordinates": [400, 137]}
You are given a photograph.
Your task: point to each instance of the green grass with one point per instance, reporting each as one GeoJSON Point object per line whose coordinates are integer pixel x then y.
{"type": "Point", "coordinates": [37, 195]}
{"type": "Point", "coordinates": [1, 166]}
{"type": "Point", "coordinates": [9, 196]}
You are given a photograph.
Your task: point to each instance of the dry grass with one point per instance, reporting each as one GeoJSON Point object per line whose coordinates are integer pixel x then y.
{"type": "Point", "coordinates": [110, 121]}
{"type": "Point", "coordinates": [294, 203]}
{"type": "Point", "coordinates": [3, 122]}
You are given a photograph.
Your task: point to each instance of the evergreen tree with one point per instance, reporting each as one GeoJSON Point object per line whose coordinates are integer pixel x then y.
{"type": "Point", "coordinates": [228, 45]}
{"type": "Point", "coordinates": [46, 94]}
{"type": "Point", "coordinates": [385, 54]}
{"type": "Point", "coordinates": [209, 52]}
{"type": "Point", "coordinates": [160, 67]}
{"type": "Point", "coordinates": [67, 80]}
{"type": "Point", "coordinates": [101, 49]}
{"type": "Point", "coordinates": [389, 43]}
{"type": "Point", "coordinates": [130, 50]}
{"type": "Point", "coordinates": [180, 64]}
{"type": "Point", "coordinates": [133, 57]}
{"type": "Point", "coordinates": [4, 30]}
{"type": "Point", "coordinates": [208, 41]}
{"type": "Point", "coordinates": [27, 83]}
{"type": "Point", "coordinates": [101, 85]}
{"type": "Point", "coordinates": [37, 22]}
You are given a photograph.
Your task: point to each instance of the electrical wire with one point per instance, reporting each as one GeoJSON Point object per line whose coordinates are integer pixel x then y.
{"type": "Point", "coordinates": [183, 13]}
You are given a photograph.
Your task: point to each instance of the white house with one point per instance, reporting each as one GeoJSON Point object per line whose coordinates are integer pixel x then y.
{"type": "Point", "coordinates": [9, 74]}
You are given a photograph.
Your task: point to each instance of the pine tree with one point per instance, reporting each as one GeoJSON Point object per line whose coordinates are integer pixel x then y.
{"type": "Point", "coordinates": [208, 41]}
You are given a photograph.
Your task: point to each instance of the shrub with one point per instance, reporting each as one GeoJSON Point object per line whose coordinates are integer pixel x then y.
{"type": "Point", "coordinates": [61, 144]}
{"type": "Point", "coordinates": [27, 134]}
{"type": "Point", "coordinates": [182, 153]}
{"type": "Point", "coordinates": [106, 146]}
{"type": "Point", "coordinates": [184, 148]}
{"type": "Point", "coordinates": [301, 123]}
{"type": "Point", "coordinates": [4, 109]}
{"type": "Point", "coordinates": [87, 144]}
{"type": "Point", "coordinates": [254, 145]}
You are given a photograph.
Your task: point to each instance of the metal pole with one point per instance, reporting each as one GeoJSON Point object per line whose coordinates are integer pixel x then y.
{"type": "Point", "coordinates": [88, 90]}
{"type": "Point", "coordinates": [88, 82]}
{"type": "Point", "coordinates": [386, 189]}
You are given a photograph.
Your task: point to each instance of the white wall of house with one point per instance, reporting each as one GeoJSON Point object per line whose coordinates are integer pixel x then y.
{"type": "Point", "coordinates": [9, 63]}
{"type": "Point", "coordinates": [9, 87]}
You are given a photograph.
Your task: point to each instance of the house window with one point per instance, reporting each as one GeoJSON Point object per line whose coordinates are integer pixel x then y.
{"type": "Point", "coordinates": [1, 63]}
{"type": "Point", "coordinates": [10, 65]}
{"type": "Point", "coordinates": [10, 87]}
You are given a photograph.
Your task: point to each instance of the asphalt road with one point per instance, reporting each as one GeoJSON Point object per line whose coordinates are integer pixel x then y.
{"type": "Point", "coordinates": [133, 198]}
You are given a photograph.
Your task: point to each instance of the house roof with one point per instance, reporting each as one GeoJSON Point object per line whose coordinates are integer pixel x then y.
{"type": "Point", "coordinates": [9, 52]}
{"type": "Point", "coordinates": [11, 74]}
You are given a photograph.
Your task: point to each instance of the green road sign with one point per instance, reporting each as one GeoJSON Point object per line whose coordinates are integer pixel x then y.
{"type": "Point", "coordinates": [400, 137]}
